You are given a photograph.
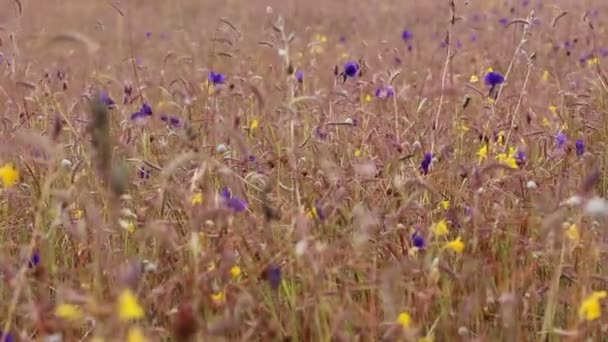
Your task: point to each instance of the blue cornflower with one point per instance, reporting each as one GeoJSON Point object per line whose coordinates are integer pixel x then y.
{"type": "Point", "coordinates": [580, 147]}
{"type": "Point", "coordinates": [406, 35]}
{"type": "Point", "coordinates": [105, 99]}
{"type": "Point", "coordinates": [217, 78]}
{"type": "Point", "coordinates": [494, 78]}
{"type": "Point", "coordinates": [560, 140]}
{"type": "Point", "coordinates": [273, 275]}
{"type": "Point", "coordinates": [300, 76]}
{"type": "Point", "coordinates": [8, 337]}
{"type": "Point", "coordinates": [144, 173]}
{"type": "Point", "coordinates": [350, 69]}
{"type": "Point", "coordinates": [171, 120]}
{"type": "Point", "coordinates": [520, 157]}
{"type": "Point", "coordinates": [385, 92]}
{"type": "Point", "coordinates": [503, 21]}
{"type": "Point", "coordinates": [426, 163]}
{"type": "Point", "coordinates": [34, 260]}
{"type": "Point", "coordinates": [233, 202]}
{"type": "Point", "coordinates": [144, 112]}
{"type": "Point", "coordinates": [418, 240]}
{"type": "Point", "coordinates": [320, 212]}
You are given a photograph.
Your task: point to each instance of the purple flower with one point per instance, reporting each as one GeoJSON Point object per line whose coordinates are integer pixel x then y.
{"type": "Point", "coordinates": [144, 112]}
{"type": "Point", "coordinates": [494, 78]}
{"type": "Point", "coordinates": [520, 157]}
{"type": "Point", "coordinates": [171, 120]}
{"type": "Point", "coordinates": [560, 140]}
{"type": "Point", "coordinates": [105, 99]}
{"type": "Point", "coordinates": [144, 173]}
{"type": "Point", "coordinates": [8, 337]}
{"type": "Point", "coordinates": [580, 147]}
{"type": "Point", "coordinates": [418, 240]}
{"type": "Point", "coordinates": [342, 39]}
{"type": "Point", "coordinates": [217, 78]}
{"type": "Point", "coordinates": [503, 21]}
{"type": "Point", "coordinates": [398, 61]}
{"type": "Point", "coordinates": [273, 275]}
{"type": "Point", "coordinates": [473, 37]}
{"type": "Point", "coordinates": [426, 163]}
{"type": "Point", "coordinates": [34, 260]}
{"type": "Point", "coordinates": [300, 76]}
{"type": "Point", "coordinates": [233, 202]}
{"type": "Point", "coordinates": [148, 34]}
{"type": "Point", "coordinates": [406, 35]}
{"type": "Point", "coordinates": [350, 69]}
{"type": "Point", "coordinates": [320, 211]}
{"type": "Point", "coordinates": [410, 47]}
{"type": "Point", "coordinates": [385, 92]}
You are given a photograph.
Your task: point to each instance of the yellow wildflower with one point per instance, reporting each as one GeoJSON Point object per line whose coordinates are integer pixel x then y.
{"type": "Point", "coordinates": [444, 204]}
{"type": "Point", "coordinates": [254, 124]}
{"type": "Point", "coordinates": [135, 334]}
{"type": "Point", "coordinates": [501, 138]}
{"type": "Point", "coordinates": [455, 245]}
{"type": "Point", "coordinates": [593, 61]}
{"type": "Point", "coordinates": [545, 76]}
{"type": "Point", "coordinates": [491, 100]}
{"type": "Point", "coordinates": [553, 109]}
{"type": "Point", "coordinates": [573, 234]}
{"type": "Point", "coordinates": [68, 312]}
{"type": "Point", "coordinates": [197, 198]}
{"type": "Point", "coordinates": [131, 227]}
{"type": "Point", "coordinates": [508, 158]}
{"type": "Point", "coordinates": [427, 338]}
{"type": "Point", "coordinates": [404, 319]}
{"type": "Point", "coordinates": [358, 152]}
{"type": "Point", "coordinates": [440, 228]}
{"type": "Point", "coordinates": [483, 152]}
{"type": "Point", "coordinates": [490, 69]}
{"type": "Point", "coordinates": [368, 98]}
{"type": "Point", "coordinates": [77, 214]}
{"type": "Point", "coordinates": [545, 122]}
{"type": "Point", "coordinates": [9, 175]}
{"type": "Point", "coordinates": [474, 79]}
{"type": "Point", "coordinates": [590, 308]}
{"type": "Point", "coordinates": [219, 297]}
{"type": "Point", "coordinates": [128, 306]}
{"type": "Point", "coordinates": [235, 271]}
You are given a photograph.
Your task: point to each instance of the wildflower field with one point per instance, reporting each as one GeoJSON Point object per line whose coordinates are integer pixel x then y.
{"type": "Point", "coordinates": [283, 170]}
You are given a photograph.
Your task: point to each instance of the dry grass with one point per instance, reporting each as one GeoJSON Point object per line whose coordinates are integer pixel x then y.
{"type": "Point", "coordinates": [331, 174]}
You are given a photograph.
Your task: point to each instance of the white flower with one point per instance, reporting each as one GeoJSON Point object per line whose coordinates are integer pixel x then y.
{"type": "Point", "coordinates": [531, 185]}
{"type": "Point", "coordinates": [597, 207]}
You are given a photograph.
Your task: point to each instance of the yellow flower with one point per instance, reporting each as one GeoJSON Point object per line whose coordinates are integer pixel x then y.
{"type": "Point", "coordinates": [9, 175]}
{"type": "Point", "coordinates": [490, 69]}
{"type": "Point", "coordinates": [483, 152]}
{"type": "Point", "coordinates": [77, 214]}
{"type": "Point", "coordinates": [368, 98]}
{"type": "Point", "coordinates": [553, 109]}
{"type": "Point", "coordinates": [444, 204]}
{"type": "Point", "coordinates": [501, 138]}
{"type": "Point", "coordinates": [590, 308]}
{"type": "Point", "coordinates": [358, 152]}
{"type": "Point", "coordinates": [573, 234]}
{"type": "Point", "coordinates": [131, 227]}
{"type": "Point", "coordinates": [135, 334]}
{"type": "Point", "coordinates": [404, 319]}
{"type": "Point", "coordinates": [491, 100]}
{"type": "Point", "coordinates": [455, 245]}
{"type": "Point", "coordinates": [128, 306]}
{"type": "Point", "coordinates": [68, 312]}
{"type": "Point", "coordinates": [197, 198]}
{"type": "Point", "coordinates": [235, 271]}
{"type": "Point", "coordinates": [427, 338]}
{"type": "Point", "coordinates": [593, 61]}
{"type": "Point", "coordinates": [219, 297]}
{"type": "Point", "coordinates": [508, 159]}
{"type": "Point", "coordinates": [545, 76]}
{"type": "Point", "coordinates": [545, 122]}
{"type": "Point", "coordinates": [474, 79]}
{"type": "Point", "coordinates": [254, 124]}
{"type": "Point", "coordinates": [440, 228]}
